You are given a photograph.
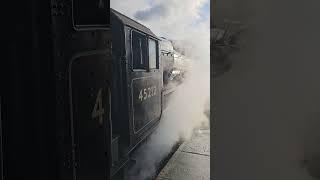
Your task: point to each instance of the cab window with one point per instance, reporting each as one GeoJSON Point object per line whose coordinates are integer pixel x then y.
{"type": "Point", "coordinates": [153, 60]}
{"type": "Point", "coordinates": [139, 51]}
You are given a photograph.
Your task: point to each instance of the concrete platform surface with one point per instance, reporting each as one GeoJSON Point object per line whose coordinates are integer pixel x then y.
{"type": "Point", "coordinates": [191, 161]}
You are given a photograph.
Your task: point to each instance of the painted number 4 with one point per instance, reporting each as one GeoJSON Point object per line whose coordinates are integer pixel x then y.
{"type": "Point", "coordinates": [98, 110]}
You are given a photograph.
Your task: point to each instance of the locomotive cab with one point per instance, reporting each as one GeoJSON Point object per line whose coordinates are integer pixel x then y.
{"type": "Point", "coordinates": [137, 82]}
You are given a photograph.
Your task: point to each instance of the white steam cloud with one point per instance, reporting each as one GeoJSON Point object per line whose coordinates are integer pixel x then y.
{"type": "Point", "coordinates": [182, 21]}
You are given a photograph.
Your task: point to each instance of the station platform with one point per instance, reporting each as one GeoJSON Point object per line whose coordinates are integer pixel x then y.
{"type": "Point", "coordinates": [191, 161]}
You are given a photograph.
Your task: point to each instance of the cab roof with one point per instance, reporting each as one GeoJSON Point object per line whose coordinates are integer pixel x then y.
{"type": "Point", "coordinates": [132, 23]}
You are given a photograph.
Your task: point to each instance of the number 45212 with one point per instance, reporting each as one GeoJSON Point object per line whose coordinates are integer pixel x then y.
{"type": "Point", "coordinates": [147, 93]}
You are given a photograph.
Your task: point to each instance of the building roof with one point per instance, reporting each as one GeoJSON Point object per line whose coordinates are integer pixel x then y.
{"type": "Point", "coordinates": [132, 23]}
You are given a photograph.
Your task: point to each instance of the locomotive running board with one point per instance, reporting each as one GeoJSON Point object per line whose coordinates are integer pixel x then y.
{"type": "Point", "coordinates": [117, 162]}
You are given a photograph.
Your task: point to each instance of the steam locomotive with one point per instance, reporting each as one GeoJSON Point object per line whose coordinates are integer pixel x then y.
{"type": "Point", "coordinates": [82, 90]}
{"type": "Point", "coordinates": [175, 64]}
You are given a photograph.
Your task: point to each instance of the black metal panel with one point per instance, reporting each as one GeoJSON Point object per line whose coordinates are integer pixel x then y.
{"type": "Point", "coordinates": [91, 13]}
{"type": "Point", "coordinates": [35, 113]}
{"type": "Point", "coordinates": [90, 84]}
{"type": "Point", "coordinates": [121, 123]}
{"type": "Point", "coordinates": [27, 112]}
{"type": "Point", "coordinates": [69, 44]}
{"type": "Point", "coordinates": [146, 101]}
{"type": "Point", "coordinates": [1, 145]}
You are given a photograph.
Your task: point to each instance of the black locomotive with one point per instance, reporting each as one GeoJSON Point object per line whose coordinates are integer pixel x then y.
{"type": "Point", "coordinates": [82, 91]}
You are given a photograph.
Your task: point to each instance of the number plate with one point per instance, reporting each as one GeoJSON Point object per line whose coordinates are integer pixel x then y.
{"type": "Point", "coordinates": [146, 101]}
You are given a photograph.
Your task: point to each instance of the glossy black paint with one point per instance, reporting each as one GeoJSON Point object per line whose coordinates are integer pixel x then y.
{"type": "Point", "coordinates": [27, 107]}
{"type": "Point", "coordinates": [40, 140]}
{"type": "Point", "coordinates": [1, 143]}
{"type": "Point", "coordinates": [90, 93]}
{"type": "Point", "coordinates": [90, 46]}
